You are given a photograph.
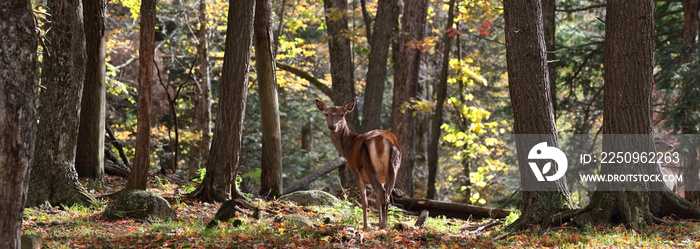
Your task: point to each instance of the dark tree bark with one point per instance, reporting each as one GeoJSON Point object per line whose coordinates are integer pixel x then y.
{"type": "Point", "coordinates": [548, 20]}
{"type": "Point", "coordinates": [405, 88]}
{"type": "Point", "coordinates": [202, 101]}
{"type": "Point", "coordinates": [19, 84]}
{"type": "Point", "coordinates": [307, 138]}
{"type": "Point", "coordinates": [139, 172]}
{"type": "Point", "coordinates": [629, 61]}
{"type": "Point", "coordinates": [532, 106]}
{"type": "Point", "coordinates": [441, 90]}
{"type": "Point", "coordinates": [271, 161]}
{"type": "Point", "coordinates": [53, 178]}
{"type": "Point", "coordinates": [690, 31]}
{"type": "Point", "coordinates": [342, 70]}
{"type": "Point", "coordinates": [89, 159]}
{"type": "Point", "coordinates": [224, 156]}
{"type": "Point", "coordinates": [376, 69]}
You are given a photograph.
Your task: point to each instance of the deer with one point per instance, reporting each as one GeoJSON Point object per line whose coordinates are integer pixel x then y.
{"type": "Point", "coordinates": [663, 147]}
{"type": "Point", "coordinates": [373, 156]}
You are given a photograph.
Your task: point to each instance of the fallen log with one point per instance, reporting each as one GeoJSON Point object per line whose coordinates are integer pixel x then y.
{"type": "Point", "coordinates": [315, 175]}
{"type": "Point", "coordinates": [451, 210]}
{"type": "Point", "coordinates": [111, 168]}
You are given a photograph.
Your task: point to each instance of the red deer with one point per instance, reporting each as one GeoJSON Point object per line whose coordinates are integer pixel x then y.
{"type": "Point", "coordinates": [373, 157]}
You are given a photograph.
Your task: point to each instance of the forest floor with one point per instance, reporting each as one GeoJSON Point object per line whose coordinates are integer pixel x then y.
{"type": "Point", "coordinates": [81, 227]}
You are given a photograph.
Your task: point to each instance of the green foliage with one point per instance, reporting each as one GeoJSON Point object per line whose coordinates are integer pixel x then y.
{"type": "Point", "coordinates": [511, 218]}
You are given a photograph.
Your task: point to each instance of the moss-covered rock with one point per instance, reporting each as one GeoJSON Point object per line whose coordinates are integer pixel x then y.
{"type": "Point", "coordinates": [311, 198]}
{"type": "Point", "coordinates": [139, 204]}
{"type": "Point", "coordinates": [297, 221]}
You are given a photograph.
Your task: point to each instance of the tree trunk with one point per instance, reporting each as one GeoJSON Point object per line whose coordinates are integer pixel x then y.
{"type": "Point", "coordinates": [224, 156]}
{"type": "Point", "coordinates": [202, 102]}
{"type": "Point", "coordinates": [139, 172]}
{"type": "Point", "coordinates": [532, 108]}
{"type": "Point", "coordinates": [89, 161]}
{"type": "Point", "coordinates": [19, 84]}
{"type": "Point", "coordinates": [690, 20]}
{"type": "Point", "coordinates": [271, 161]}
{"type": "Point", "coordinates": [629, 60]}
{"type": "Point", "coordinates": [342, 70]}
{"type": "Point", "coordinates": [550, 25]}
{"type": "Point", "coordinates": [53, 178]}
{"type": "Point", "coordinates": [405, 88]}
{"type": "Point", "coordinates": [376, 69]}
{"type": "Point", "coordinates": [690, 31]}
{"type": "Point", "coordinates": [307, 137]}
{"type": "Point", "coordinates": [441, 90]}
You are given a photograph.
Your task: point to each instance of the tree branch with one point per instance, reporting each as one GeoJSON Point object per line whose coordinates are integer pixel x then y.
{"type": "Point", "coordinates": [307, 76]}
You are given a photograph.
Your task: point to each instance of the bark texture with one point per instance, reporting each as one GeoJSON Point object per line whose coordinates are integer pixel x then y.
{"type": "Point", "coordinates": [629, 63]}
{"type": "Point", "coordinates": [202, 101]}
{"type": "Point", "coordinates": [89, 158]}
{"type": "Point", "coordinates": [376, 69]}
{"type": "Point", "coordinates": [53, 178]}
{"type": "Point", "coordinates": [271, 161]}
{"type": "Point", "coordinates": [224, 156]}
{"type": "Point", "coordinates": [441, 91]}
{"type": "Point", "coordinates": [532, 106]}
{"type": "Point", "coordinates": [405, 87]}
{"type": "Point", "coordinates": [18, 91]}
{"type": "Point", "coordinates": [549, 23]}
{"type": "Point", "coordinates": [342, 70]}
{"type": "Point", "coordinates": [139, 172]}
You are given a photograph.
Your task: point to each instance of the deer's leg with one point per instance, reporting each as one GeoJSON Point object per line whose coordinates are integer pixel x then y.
{"type": "Point", "coordinates": [381, 197]}
{"type": "Point", "coordinates": [363, 199]}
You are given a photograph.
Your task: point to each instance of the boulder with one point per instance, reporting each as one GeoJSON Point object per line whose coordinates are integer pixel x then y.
{"type": "Point", "coordinates": [31, 241]}
{"type": "Point", "coordinates": [311, 198]}
{"type": "Point", "coordinates": [139, 204]}
{"type": "Point", "coordinates": [298, 221]}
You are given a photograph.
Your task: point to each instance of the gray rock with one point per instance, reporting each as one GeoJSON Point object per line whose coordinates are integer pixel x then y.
{"type": "Point", "coordinates": [311, 198]}
{"type": "Point", "coordinates": [31, 241]}
{"type": "Point", "coordinates": [297, 220]}
{"type": "Point", "coordinates": [139, 204]}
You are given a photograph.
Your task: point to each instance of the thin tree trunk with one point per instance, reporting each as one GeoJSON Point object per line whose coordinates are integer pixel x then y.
{"type": "Point", "coordinates": [202, 102]}
{"type": "Point", "coordinates": [139, 172]}
{"type": "Point", "coordinates": [690, 20]}
{"type": "Point", "coordinates": [532, 108]}
{"type": "Point", "coordinates": [405, 88]}
{"type": "Point", "coordinates": [690, 31]}
{"type": "Point", "coordinates": [271, 161]}
{"type": "Point", "coordinates": [224, 156]}
{"type": "Point", "coordinates": [18, 66]}
{"type": "Point", "coordinates": [53, 178]}
{"type": "Point", "coordinates": [307, 138]}
{"type": "Point", "coordinates": [549, 24]}
{"type": "Point", "coordinates": [441, 90]}
{"type": "Point", "coordinates": [384, 25]}
{"type": "Point", "coordinates": [89, 162]}
{"type": "Point", "coordinates": [342, 69]}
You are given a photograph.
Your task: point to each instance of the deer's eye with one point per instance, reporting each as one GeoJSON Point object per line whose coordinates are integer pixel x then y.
{"type": "Point", "coordinates": [326, 114]}
{"type": "Point", "coordinates": [342, 115]}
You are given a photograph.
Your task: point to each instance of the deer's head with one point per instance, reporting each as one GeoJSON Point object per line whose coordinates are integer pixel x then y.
{"type": "Point", "coordinates": [335, 115]}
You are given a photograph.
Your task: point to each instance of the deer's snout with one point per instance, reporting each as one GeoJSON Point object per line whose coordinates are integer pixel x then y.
{"type": "Point", "coordinates": [332, 127]}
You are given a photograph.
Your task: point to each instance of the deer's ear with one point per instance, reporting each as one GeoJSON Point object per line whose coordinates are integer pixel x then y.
{"type": "Point", "coordinates": [348, 107]}
{"type": "Point", "coordinates": [320, 105]}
